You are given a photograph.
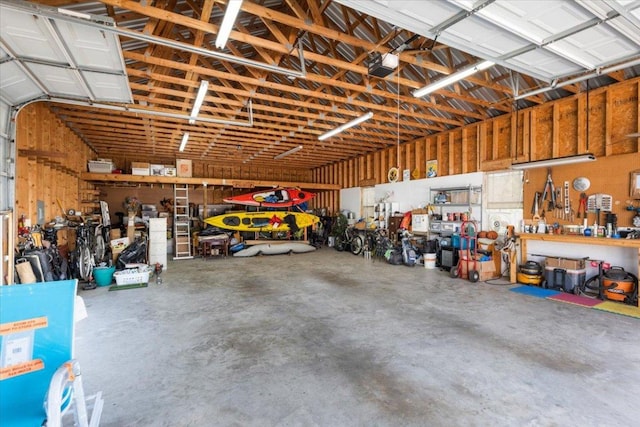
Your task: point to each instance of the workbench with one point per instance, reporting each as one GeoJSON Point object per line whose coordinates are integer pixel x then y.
{"type": "Point", "coordinates": [632, 244]}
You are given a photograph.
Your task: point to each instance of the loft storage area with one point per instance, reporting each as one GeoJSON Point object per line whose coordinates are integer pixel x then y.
{"type": "Point", "coordinates": [348, 210]}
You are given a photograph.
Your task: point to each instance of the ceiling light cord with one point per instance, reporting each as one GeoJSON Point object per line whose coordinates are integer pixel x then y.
{"type": "Point", "coordinates": [398, 120]}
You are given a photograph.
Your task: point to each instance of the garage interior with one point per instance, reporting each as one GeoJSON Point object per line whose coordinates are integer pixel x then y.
{"type": "Point", "coordinates": [384, 111]}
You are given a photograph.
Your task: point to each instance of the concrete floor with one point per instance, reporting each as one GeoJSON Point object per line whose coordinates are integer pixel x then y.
{"type": "Point", "coordinates": [330, 339]}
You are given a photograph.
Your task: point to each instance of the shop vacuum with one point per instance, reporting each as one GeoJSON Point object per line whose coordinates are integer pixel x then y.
{"type": "Point", "coordinates": [530, 273]}
{"type": "Point", "coordinates": [620, 285]}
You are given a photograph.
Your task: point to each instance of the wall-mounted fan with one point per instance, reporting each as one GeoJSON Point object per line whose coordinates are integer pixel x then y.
{"type": "Point", "coordinates": [498, 222]}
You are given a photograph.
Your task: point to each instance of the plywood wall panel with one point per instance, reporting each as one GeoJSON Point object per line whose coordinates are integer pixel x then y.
{"type": "Point", "coordinates": [487, 142]}
{"type": "Point", "coordinates": [502, 138]}
{"type": "Point", "coordinates": [474, 133]}
{"type": "Point", "coordinates": [567, 128]}
{"type": "Point", "coordinates": [526, 137]}
{"type": "Point", "coordinates": [454, 154]}
{"type": "Point", "coordinates": [607, 175]}
{"type": "Point", "coordinates": [623, 117]}
{"type": "Point", "coordinates": [464, 149]}
{"type": "Point", "coordinates": [595, 124]}
{"type": "Point", "coordinates": [442, 154]}
{"type": "Point", "coordinates": [409, 159]}
{"type": "Point", "coordinates": [543, 133]}
{"type": "Point", "coordinates": [420, 157]}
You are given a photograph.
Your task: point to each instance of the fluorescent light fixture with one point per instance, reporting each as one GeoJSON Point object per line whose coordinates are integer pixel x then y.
{"type": "Point", "coordinates": [183, 144]}
{"type": "Point", "coordinates": [555, 162]}
{"type": "Point", "coordinates": [286, 153]}
{"type": "Point", "coordinates": [204, 86]}
{"type": "Point", "coordinates": [452, 78]}
{"type": "Point", "coordinates": [230, 15]}
{"type": "Point", "coordinates": [346, 126]}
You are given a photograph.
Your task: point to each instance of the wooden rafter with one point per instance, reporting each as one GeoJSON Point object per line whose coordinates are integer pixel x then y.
{"type": "Point", "coordinates": [338, 45]}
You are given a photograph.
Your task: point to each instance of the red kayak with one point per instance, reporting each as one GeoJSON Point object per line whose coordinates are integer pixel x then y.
{"type": "Point", "coordinates": [276, 198]}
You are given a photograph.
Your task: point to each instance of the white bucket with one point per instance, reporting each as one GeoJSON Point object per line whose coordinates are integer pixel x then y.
{"type": "Point", "coordinates": [429, 261]}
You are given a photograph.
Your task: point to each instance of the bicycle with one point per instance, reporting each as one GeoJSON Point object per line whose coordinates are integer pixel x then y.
{"type": "Point", "coordinates": [350, 240]}
{"type": "Point", "coordinates": [90, 250]}
{"type": "Point", "coordinates": [83, 259]}
{"type": "Point", "coordinates": [377, 242]}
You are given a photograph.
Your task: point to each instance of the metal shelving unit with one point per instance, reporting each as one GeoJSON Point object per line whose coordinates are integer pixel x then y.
{"type": "Point", "coordinates": [449, 201]}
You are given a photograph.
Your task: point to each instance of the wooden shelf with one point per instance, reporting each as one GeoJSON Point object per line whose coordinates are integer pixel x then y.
{"type": "Point", "coordinates": [238, 183]}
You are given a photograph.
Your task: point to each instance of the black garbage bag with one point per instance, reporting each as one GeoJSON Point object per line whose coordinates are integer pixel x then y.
{"type": "Point", "coordinates": [135, 253]}
{"type": "Point", "coordinates": [395, 257]}
{"type": "Point", "coordinates": [290, 220]}
{"type": "Point", "coordinates": [41, 264]}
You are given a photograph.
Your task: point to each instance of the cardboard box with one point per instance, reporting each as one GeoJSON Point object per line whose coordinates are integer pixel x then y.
{"type": "Point", "coordinates": [139, 171]}
{"type": "Point", "coordinates": [156, 170]}
{"type": "Point", "coordinates": [119, 244]}
{"type": "Point", "coordinates": [139, 168]}
{"type": "Point", "coordinates": [567, 263]}
{"type": "Point", "coordinates": [115, 253]}
{"type": "Point", "coordinates": [420, 222]}
{"type": "Point", "coordinates": [115, 233]}
{"type": "Point", "coordinates": [184, 168]}
{"type": "Point", "coordinates": [487, 269]}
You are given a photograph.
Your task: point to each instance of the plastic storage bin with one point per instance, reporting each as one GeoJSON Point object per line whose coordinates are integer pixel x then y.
{"type": "Point", "coordinates": [564, 279]}
{"type": "Point", "coordinates": [100, 166]}
{"type": "Point", "coordinates": [133, 276]}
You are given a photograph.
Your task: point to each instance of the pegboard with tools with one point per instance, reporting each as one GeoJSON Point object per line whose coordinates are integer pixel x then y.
{"type": "Point", "coordinates": [583, 193]}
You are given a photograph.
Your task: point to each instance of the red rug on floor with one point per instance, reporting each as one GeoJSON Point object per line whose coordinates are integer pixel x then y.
{"type": "Point", "coordinates": [575, 299]}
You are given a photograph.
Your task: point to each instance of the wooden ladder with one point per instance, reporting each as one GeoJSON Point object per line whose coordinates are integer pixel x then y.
{"type": "Point", "coordinates": [181, 222]}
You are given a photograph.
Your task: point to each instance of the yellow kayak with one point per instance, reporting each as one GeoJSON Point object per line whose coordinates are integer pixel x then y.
{"type": "Point", "coordinates": [263, 221]}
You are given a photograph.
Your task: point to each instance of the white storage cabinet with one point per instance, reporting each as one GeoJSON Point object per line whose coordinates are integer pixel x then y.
{"type": "Point", "coordinates": [158, 242]}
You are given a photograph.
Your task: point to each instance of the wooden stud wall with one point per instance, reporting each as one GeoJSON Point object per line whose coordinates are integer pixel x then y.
{"type": "Point", "coordinates": [595, 121]}
{"type": "Point", "coordinates": [49, 160]}
{"type": "Point", "coordinates": [51, 157]}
